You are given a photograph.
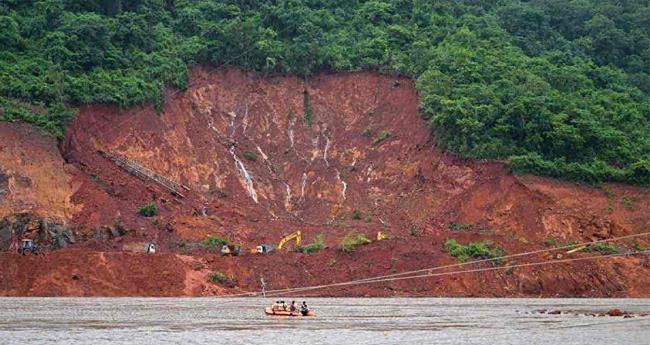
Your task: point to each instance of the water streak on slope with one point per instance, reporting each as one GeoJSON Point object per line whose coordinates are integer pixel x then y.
{"type": "Point", "coordinates": [248, 179]}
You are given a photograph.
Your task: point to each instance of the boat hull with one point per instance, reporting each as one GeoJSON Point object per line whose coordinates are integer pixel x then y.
{"type": "Point", "coordinates": [271, 312]}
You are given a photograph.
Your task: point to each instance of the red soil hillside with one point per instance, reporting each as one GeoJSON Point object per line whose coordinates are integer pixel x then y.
{"type": "Point", "coordinates": [256, 158]}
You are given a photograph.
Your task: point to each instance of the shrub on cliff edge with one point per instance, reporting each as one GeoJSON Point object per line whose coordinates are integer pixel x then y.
{"type": "Point", "coordinates": [149, 210]}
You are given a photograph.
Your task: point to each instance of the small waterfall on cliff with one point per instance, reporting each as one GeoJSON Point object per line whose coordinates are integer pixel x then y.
{"type": "Point", "coordinates": [266, 161]}
{"type": "Point", "coordinates": [245, 175]}
{"type": "Point", "coordinates": [327, 147]}
{"type": "Point", "coordinates": [303, 184]}
{"type": "Point", "coordinates": [343, 183]}
{"type": "Point", "coordinates": [233, 116]}
{"type": "Point", "coordinates": [264, 156]}
{"type": "Point", "coordinates": [287, 200]}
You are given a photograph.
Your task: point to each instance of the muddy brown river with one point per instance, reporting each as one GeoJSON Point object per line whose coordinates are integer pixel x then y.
{"type": "Point", "coordinates": [356, 321]}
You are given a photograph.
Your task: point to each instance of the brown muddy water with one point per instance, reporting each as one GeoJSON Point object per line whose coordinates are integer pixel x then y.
{"type": "Point", "coordinates": [359, 321]}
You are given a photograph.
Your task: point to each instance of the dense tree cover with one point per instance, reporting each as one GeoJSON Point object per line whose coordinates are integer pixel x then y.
{"type": "Point", "coordinates": [555, 87]}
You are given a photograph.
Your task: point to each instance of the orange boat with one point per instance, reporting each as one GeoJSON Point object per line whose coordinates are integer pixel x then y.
{"type": "Point", "coordinates": [270, 311]}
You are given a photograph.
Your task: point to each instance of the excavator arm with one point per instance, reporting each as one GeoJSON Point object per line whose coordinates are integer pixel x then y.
{"type": "Point", "coordinates": [296, 235]}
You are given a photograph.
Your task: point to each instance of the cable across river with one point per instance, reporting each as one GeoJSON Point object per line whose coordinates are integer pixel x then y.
{"type": "Point", "coordinates": [413, 274]}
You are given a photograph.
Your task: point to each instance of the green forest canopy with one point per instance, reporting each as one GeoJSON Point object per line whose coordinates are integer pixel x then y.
{"type": "Point", "coordinates": [555, 87]}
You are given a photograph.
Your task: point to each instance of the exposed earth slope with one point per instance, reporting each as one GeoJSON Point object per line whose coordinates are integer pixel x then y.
{"type": "Point", "coordinates": [256, 158]}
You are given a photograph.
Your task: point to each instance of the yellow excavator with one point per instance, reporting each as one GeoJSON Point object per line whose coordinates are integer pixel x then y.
{"type": "Point", "coordinates": [265, 248]}
{"type": "Point", "coordinates": [296, 235]}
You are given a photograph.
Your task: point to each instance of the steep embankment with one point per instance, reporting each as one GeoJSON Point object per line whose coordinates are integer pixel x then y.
{"type": "Point", "coordinates": [256, 158]}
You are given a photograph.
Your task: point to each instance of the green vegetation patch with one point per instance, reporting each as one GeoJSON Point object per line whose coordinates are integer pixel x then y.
{"type": "Point", "coordinates": [474, 250]}
{"type": "Point", "coordinates": [550, 242]}
{"type": "Point", "coordinates": [149, 210]}
{"type": "Point", "coordinates": [638, 246]}
{"type": "Point", "coordinates": [350, 242]}
{"type": "Point", "coordinates": [603, 248]}
{"type": "Point", "coordinates": [317, 245]}
{"type": "Point", "coordinates": [629, 202]}
{"type": "Point", "coordinates": [381, 137]}
{"type": "Point", "coordinates": [214, 242]}
{"type": "Point", "coordinates": [458, 227]}
{"type": "Point", "coordinates": [250, 155]}
{"type": "Point", "coordinates": [222, 279]}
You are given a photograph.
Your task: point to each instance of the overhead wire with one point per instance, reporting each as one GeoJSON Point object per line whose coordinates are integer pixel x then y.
{"type": "Point", "coordinates": [435, 268]}
{"type": "Point", "coordinates": [539, 251]}
{"type": "Point", "coordinates": [486, 269]}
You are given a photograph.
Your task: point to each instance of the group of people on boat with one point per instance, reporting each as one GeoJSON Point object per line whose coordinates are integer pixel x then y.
{"type": "Point", "coordinates": [281, 306]}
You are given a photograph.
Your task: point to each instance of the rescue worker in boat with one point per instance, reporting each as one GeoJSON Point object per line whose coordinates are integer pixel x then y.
{"type": "Point", "coordinates": [293, 308]}
{"type": "Point", "coordinates": [304, 310]}
{"type": "Point", "coordinates": [279, 305]}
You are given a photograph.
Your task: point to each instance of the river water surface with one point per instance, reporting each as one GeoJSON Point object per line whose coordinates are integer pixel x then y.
{"type": "Point", "coordinates": [356, 321]}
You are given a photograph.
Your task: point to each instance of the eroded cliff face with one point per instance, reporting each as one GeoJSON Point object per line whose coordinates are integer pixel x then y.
{"type": "Point", "coordinates": [255, 158]}
{"type": "Point", "coordinates": [33, 176]}
{"type": "Point", "coordinates": [36, 188]}
{"type": "Point", "coordinates": [278, 149]}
